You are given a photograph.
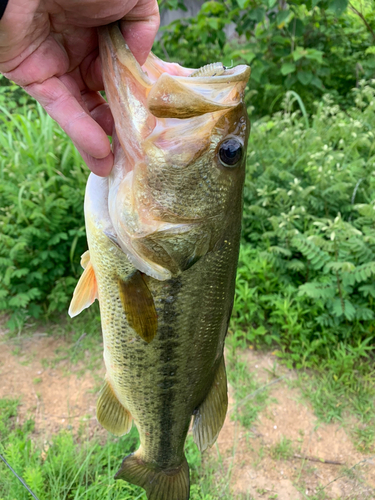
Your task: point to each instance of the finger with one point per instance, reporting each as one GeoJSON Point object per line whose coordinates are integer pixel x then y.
{"type": "Point", "coordinates": [139, 28]}
{"type": "Point", "coordinates": [101, 167]}
{"type": "Point", "coordinates": [90, 71]}
{"type": "Point", "coordinates": [63, 107]}
{"type": "Point", "coordinates": [92, 102]}
{"type": "Point", "coordinates": [99, 110]}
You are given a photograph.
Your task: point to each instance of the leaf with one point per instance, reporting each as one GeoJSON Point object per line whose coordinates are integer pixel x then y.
{"type": "Point", "coordinates": [367, 290]}
{"type": "Point", "coordinates": [349, 310]}
{"type": "Point", "coordinates": [346, 267]}
{"type": "Point", "coordinates": [257, 14]}
{"type": "Point", "coordinates": [296, 265]}
{"type": "Point", "coordinates": [298, 53]}
{"type": "Point", "coordinates": [315, 55]}
{"type": "Point", "coordinates": [281, 18]}
{"type": "Point", "coordinates": [317, 82]}
{"type": "Point", "coordinates": [243, 3]}
{"type": "Point", "coordinates": [338, 6]}
{"type": "Point", "coordinates": [281, 251]}
{"type": "Point", "coordinates": [19, 301]}
{"type": "Point", "coordinates": [317, 290]}
{"type": "Point", "coordinates": [337, 309]}
{"type": "Point", "coordinates": [305, 77]}
{"type": "Point", "coordinates": [363, 272]}
{"type": "Point", "coordinates": [313, 253]}
{"type": "Point", "coordinates": [18, 273]}
{"type": "Point", "coordinates": [364, 314]}
{"type": "Point", "coordinates": [288, 68]}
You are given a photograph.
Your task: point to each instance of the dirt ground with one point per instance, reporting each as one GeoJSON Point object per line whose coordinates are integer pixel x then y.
{"type": "Point", "coordinates": [320, 455]}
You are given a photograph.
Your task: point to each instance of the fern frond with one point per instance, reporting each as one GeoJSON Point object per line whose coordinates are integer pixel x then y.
{"type": "Point", "coordinates": [317, 290]}
{"type": "Point", "coordinates": [313, 253]}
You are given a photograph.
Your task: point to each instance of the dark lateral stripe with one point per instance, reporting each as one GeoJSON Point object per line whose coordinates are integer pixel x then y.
{"type": "Point", "coordinates": [3, 6]}
{"type": "Point", "coordinates": [167, 355]}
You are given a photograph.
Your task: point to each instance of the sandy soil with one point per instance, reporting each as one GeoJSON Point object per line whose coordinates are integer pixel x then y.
{"type": "Point", "coordinates": [256, 474]}
{"type": "Point", "coordinates": [60, 397]}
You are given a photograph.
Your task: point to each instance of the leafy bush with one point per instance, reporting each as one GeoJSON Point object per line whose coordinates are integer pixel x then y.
{"type": "Point", "coordinates": [12, 96]}
{"type": "Point", "coordinates": [311, 47]}
{"type": "Point", "coordinates": [305, 278]}
{"type": "Point", "coordinates": [41, 217]}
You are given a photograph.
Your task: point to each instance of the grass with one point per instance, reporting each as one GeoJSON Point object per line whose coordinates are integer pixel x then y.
{"type": "Point", "coordinates": [76, 468]}
{"type": "Point", "coordinates": [251, 396]}
{"type": "Point", "coordinates": [352, 405]}
{"type": "Point", "coordinates": [283, 450]}
{"type": "Point", "coordinates": [299, 179]}
{"type": "Point", "coordinates": [81, 335]}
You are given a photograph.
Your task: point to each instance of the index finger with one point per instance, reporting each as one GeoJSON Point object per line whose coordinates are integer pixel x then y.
{"type": "Point", "coordinates": [139, 28]}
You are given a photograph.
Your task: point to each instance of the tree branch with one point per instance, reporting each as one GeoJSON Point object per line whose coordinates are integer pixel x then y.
{"type": "Point", "coordinates": [359, 14]}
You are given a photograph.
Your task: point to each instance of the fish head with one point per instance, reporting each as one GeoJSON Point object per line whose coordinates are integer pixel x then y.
{"type": "Point", "coordinates": [180, 149]}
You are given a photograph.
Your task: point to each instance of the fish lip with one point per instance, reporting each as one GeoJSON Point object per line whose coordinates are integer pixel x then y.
{"type": "Point", "coordinates": [237, 74]}
{"type": "Point", "coordinates": [112, 37]}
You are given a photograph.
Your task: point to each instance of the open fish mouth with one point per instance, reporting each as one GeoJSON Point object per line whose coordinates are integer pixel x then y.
{"type": "Point", "coordinates": [172, 91]}
{"type": "Point", "coordinates": [168, 119]}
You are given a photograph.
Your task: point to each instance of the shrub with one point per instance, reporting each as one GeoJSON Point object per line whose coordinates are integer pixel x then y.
{"type": "Point", "coordinates": [308, 260]}
{"type": "Point", "coordinates": [41, 217]}
{"type": "Point", "coordinates": [310, 47]}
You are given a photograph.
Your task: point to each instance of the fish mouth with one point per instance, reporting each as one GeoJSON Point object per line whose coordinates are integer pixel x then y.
{"type": "Point", "coordinates": [165, 114]}
{"type": "Point", "coordinates": [170, 90]}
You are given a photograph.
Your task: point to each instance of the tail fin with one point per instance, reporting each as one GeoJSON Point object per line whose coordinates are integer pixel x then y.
{"type": "Point", "coordinates": [170, 484]}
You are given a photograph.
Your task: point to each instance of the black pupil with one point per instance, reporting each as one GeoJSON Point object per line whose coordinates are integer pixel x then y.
{"type": "Point", "coordinates": [230, 152]}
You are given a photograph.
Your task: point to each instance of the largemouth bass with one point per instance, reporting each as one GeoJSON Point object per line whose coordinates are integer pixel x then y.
{"type": "Point", "coordinates": [163, 233]}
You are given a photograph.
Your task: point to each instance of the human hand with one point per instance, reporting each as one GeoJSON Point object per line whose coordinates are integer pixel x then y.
{"type": "Point", "coordinates": [50, 48]}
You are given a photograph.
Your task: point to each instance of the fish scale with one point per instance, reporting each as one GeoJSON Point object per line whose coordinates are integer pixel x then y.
{"type": "Point", "coordinates": [163, 233]}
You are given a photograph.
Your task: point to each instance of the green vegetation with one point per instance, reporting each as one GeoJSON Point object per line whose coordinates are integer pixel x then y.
{"type": "Point", "coordinates": [305, 285]}
{"type": "Point", "coordinates": [42, 183]}
{"type": "Point", "coordinates": [310, 47]}
{"type": "Point", "coordinates": [305, 274]}
{"type": "Point", "coordinates": [307, 260]}
{"type": "Point", "coordinates": [250, 396]}
{"type": "Point", "coordinates": [75, 468]}
{"type": "Point", "coordinates": [283, 450]}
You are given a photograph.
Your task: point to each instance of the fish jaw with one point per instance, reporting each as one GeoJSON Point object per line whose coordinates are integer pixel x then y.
{"type": "Point", "coordinates": [167, 178]}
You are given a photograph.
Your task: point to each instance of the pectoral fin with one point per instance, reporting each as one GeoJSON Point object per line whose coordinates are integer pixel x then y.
{"type": "Point", "coordinates": [110, 412]}
{"type": "Point", "coordinates": [210, 415]}
{"type": "Point", "coordinates": [85, 259]}
{"type": "Point", "coordinates": [139, 306]}
{"type": "Point", "coordinates": [86, 290]}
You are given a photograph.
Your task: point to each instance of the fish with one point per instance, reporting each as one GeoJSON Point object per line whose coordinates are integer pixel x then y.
{"type": "Point", "coordinates": [163, 232]}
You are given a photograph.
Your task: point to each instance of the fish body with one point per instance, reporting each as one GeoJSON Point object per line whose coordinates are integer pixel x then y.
{"type": "Point", "coordinates": [163, 233]}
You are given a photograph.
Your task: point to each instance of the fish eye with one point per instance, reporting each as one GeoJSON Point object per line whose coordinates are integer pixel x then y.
{"type": "Point", "coordinates": [230, 152]}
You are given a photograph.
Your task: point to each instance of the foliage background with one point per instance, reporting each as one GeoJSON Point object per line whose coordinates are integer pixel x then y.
{"type": "Point", "coordinates": [311, 47]}
{"type": "Point", "coordinates": [305, 285]}
{"type": "Point", "coordinates": [308, 254]}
